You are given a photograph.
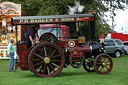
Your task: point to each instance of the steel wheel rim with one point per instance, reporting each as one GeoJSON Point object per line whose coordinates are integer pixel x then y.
{"type": "Point", "coordinates": [103, 64]}
{"type": "Point", "coordinates": [53, 64]}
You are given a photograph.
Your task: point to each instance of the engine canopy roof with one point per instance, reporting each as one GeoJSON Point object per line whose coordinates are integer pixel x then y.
{"type": "Point", "coordinates": [51, 19]}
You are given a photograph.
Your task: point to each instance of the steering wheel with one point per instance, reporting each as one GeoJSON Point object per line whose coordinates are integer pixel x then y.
{"type": "Point", "coordinates": [49, 37]}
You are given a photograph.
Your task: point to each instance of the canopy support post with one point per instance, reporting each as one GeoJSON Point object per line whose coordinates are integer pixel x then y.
{"type": "Point", "coordinates": [16, 39]}
{"type": "Point", "coordinates": [77, 26]}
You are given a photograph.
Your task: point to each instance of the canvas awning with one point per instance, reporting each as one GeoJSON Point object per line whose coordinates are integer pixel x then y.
{"type": "Point", "coordinates": [51, 19]}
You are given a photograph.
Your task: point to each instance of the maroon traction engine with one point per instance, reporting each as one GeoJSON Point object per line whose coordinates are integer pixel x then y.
{"type": "Point", "coordinates": [53, 53]}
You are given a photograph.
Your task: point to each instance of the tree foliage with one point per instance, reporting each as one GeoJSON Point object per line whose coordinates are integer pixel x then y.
{"type": "Point", "coordinates": [60, 7]}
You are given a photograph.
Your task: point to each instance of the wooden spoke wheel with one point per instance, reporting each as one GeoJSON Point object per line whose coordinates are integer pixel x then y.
{"type": "Point", "coordinates": [46, 60]}
{"type": "Point", "coordinates": [89, 64]}
{"type": "Point", "coordinates": [103, 64]}
{"type": "Point", "coordinates": [49, 37]}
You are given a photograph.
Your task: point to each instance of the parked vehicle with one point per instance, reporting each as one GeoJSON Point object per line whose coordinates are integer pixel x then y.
{"type": "Point", "coordinates": [126, 46]}
{"type": "Point", "coordinates": [114, 47]}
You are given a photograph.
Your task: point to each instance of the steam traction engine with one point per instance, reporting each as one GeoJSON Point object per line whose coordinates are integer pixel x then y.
{"type": "Point", "coordinates": [54, 52]}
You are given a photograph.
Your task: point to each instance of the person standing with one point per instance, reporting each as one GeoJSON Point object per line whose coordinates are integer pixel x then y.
{"type": "Point", "coordinates": [11, 52]}
{"type": "Point", "coordinates": [30, 35]}
{"type": "Point", "coordinates": [102, 45]}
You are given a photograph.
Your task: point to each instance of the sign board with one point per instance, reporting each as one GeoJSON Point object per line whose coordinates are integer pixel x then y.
{"type": "Point", "coordinates": [51, 19]}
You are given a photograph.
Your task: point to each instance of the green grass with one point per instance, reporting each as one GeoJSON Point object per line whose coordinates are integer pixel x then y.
{"type": "Point", "coordinates": [68, 76]}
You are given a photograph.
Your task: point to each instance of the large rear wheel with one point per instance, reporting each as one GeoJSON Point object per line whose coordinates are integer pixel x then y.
{"type": "Point", "coordinates": [103, 64]}
{"type": "Point", "coordinates": [46, 60]}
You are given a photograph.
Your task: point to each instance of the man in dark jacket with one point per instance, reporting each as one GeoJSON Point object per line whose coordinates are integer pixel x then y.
{"type": "Point", "coordinates": [30, 35]}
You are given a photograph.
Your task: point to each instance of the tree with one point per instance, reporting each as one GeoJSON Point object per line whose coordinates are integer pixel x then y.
{"type": "Point", "coordinates": [103, 6]}
{"type": "Point", "coordinates": [60, 7]}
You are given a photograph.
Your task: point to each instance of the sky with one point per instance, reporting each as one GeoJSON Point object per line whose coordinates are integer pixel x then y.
{"type": "Point", "coordinates": [121, 19]}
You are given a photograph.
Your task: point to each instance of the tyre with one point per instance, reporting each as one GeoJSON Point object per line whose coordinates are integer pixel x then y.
{"type": "Point", "coordinates": [117, 54]}
{"type": "Point", "coordinates": [126, 52]}
{"type": "Point", "coordinates": [103, 64]}
{"type": "Point", "coordinates": [76, 62]}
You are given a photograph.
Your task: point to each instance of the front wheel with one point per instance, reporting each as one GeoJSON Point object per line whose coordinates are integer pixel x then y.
{"type": "Point", "coordinates": [103, 64]}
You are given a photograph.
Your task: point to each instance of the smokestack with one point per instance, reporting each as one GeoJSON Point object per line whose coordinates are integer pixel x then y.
{"type": "Point", "coordinates": [93, 27]}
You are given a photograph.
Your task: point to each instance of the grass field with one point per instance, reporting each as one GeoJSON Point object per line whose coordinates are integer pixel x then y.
{"type": "Point", "coordinates": [68, 76]}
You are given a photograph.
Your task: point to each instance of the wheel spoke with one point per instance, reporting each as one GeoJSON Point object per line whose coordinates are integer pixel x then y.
{"type": "Point", "coordinates": [99, 60]}
{"type": "Point", "coordinates": [40, 52]}
{"type": "Point", "coordinates": [51, 67]}
{"type": "Point", "coordinates": [101, 68]}
{"type": "Point", "coordinates": [38, 63]}
{"type": "Point", "coordinates": [89, 68]}
{"type": "Point", "coordinates": [56, 56]}
{"type": "Point", "coordinates": [97, 67]}
{"type": "Point", "coordinates": [52, 53]}
{"type": "Point", "coordinates": [44, 69]}
{"type": "Point", "coordinates": [98, 63]}
{"type": "Point", "coordinates": [55, 65]}
{"type": "Point", "coordinates": [45, 53]}
{"type": "Point", "coordinates": [49, 50]}
{"type": "Point", "coordinates": [48, 70]}
{"type": "Point", "coordinates": [36, 59]}
{"type": "Point", "coordinates": [107, 61]}
{"type": "Point", "coordinates": [38, 56]}
{"type": "Point", "coordinates": [108, 64]}
{"type": "Point", "coordinates": [55, 60]}
{"type": "Point", "coordinates": [88, 59]}
{"type": "Point", "coordinates": [40, 67]}
{"type": "Point", "coordinates": [106, 67]}
{"type": "Point", "coordinates": [105, 58]}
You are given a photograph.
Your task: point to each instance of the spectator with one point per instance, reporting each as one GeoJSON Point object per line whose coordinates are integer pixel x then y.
{"type": "Point", "coordinates": [102, 44]}
{"type": "Point", "coordinates": [11, 52]}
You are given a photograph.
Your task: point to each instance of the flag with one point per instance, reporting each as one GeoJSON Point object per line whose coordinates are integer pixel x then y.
{"type": "Point", "coordinates": [122, 28]}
